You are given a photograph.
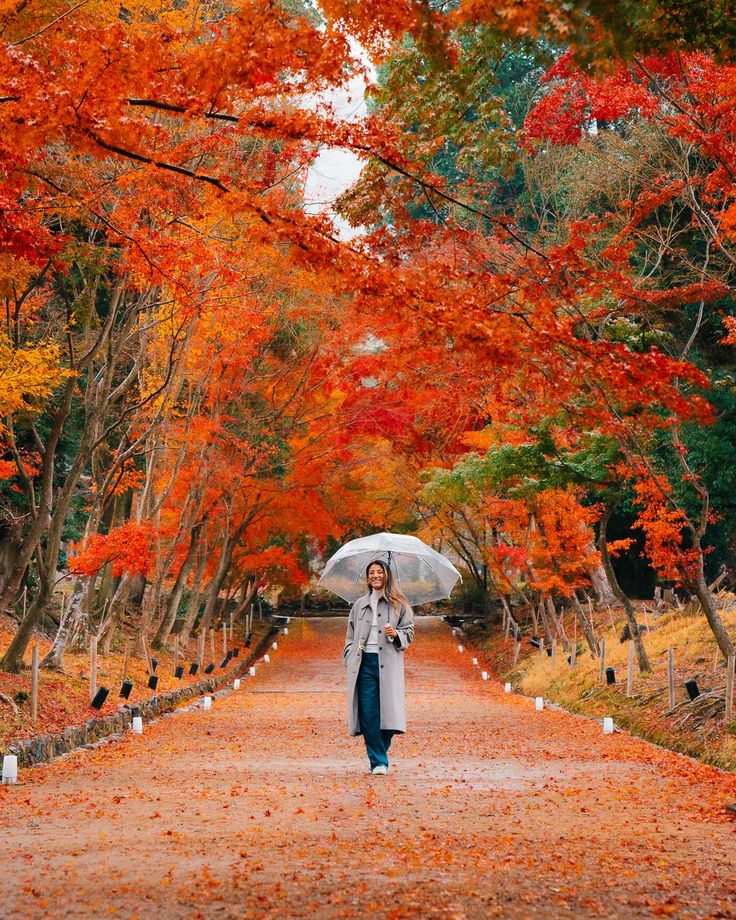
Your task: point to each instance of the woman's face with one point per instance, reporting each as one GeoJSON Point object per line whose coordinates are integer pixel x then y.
{"type": "Point", "coordinates": [376, 577]}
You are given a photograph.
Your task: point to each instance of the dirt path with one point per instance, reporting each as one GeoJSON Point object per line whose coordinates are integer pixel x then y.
{"type": "Point", "coordinates": [263, 808]}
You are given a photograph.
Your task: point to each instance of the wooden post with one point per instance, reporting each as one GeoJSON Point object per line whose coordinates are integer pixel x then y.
{"type": "Point", "coordinates": [671, 676]}
{"type": "Point", "coordinates": [553, 659]}
{"type": "Point", "coordinates": [232, 627]}
{"type": "Point", "coordinates": [224, 639]}
{"type": "Point", "coordinates": [126, 656]}
{"type": "Point", "coordinates": [574, 655]}
{"type": "Point", "coordinates": [92, 667]}
{"type": "Point", "coordinates": [34, 683]}
{"type": "Point", "coordinates": [716, 656]}
{"type": "Point", "coordinates": [147, 653]}
{"type": "Point", "coordinates": [202, 637]}
{"type": "Point", "coordinates": [729, 687]}
{"type": "Point", "coordinates": [590, 615]}
{"type": "Point", "coordinates": [541, 649]}
{"type": "Point", "coordinates": [517, 649]}
{"type": "Point", "coordinates": [630, 672]}
{"type": "Point", "coordinates": [212, 644]}
{"type": "Point", "coordinates": [610, 616]}
{"type": "Point", "coordinates": [176, 652]}
{"type": "Point", "coordinates": [602, 671]}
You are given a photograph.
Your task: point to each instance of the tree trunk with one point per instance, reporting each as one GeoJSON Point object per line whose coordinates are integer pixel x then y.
{"type": "Point", "coordinates": [641, 653]}
{"type": "Point", "coordinates": [546, 628]}
{"type": "Point", "coordinates": [507, 607]}
{"type": "Point", "coordinates": [167, 623]}
{"type": "Point", "coordinates": [12, 660]}
{"type": "Point", "coordinates": [699, 588]}
{"type": "Point", "coordinates": [194, 600]}
{"type": "Point", "coordinates": [602, 585]}
{"type": "Point", "coordinates": [247, 597]}
{"type": "Point", "coordinates": [54, 658]}
{"type": "Point", "coordinates": [117, 610]}
{"type": "Point", "coordinates": [533, 613]}
{"type": "Point", "coordinates": [586, 627]}
{"type": "Point", "coordinates": [559, 625]}
{"type": "Point", "coordinates": [215, 586]}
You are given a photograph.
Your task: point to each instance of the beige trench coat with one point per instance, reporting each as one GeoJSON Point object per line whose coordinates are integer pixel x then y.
{"type": "Point", "coordinates": [391, 660]}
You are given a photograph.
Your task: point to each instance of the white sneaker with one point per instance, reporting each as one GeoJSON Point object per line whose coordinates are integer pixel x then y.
{"type": "Point", "coordinates": [380, 770]}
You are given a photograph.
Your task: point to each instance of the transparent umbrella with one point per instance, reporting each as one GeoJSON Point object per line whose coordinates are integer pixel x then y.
{"type": "Point", "coordinates": [422, 573]}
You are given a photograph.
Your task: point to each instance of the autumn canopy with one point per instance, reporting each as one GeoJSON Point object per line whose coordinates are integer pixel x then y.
{"type": "Point", "coordinates": [523, 351]}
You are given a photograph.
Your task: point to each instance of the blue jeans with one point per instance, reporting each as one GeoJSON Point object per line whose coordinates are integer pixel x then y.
{"type": "Point", "coordinates": [377, 740]}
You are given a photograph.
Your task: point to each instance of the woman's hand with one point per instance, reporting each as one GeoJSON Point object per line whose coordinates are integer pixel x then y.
{"type": "Point", "coordinates": [390, 631]}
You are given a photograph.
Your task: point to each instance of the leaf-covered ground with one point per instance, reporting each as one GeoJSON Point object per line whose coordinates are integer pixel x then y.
{"type": "Point", "coordinates": [263, 808]}
{"type": "Point", "coordinates": [63, 698]}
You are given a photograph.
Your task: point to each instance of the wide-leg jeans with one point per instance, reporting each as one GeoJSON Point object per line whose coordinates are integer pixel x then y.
{"type": "Point", "coordinates": [377, 740]}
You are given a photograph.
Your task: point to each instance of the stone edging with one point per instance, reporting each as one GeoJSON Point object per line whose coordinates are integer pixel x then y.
{"type": "Point", "coordinates": [43, 748]}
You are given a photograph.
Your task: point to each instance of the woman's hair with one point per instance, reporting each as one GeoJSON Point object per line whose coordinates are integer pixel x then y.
{"type": "Point", "coordinates": [394, 595]}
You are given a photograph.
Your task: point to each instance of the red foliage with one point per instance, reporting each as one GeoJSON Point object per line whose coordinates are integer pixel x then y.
{"type": "Point", "coordinates": [128, 548]}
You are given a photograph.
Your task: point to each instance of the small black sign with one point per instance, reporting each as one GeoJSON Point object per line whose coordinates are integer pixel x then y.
{"type": "Point", "coordinates": [99, 701]}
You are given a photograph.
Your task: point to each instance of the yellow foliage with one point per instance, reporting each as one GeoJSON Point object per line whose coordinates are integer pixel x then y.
{"type": "Point", "coordinates": [27, 377]}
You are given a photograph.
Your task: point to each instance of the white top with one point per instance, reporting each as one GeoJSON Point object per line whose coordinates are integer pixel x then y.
{"type": "Point", "coordinates": [371, 644]}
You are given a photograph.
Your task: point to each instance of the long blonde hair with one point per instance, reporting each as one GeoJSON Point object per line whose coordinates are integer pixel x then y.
{"type": "Point", "coordinates": [393, 593]}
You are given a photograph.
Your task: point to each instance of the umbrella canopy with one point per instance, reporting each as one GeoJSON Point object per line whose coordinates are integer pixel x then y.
{"type": "Point", "coordinates": [422, 573]}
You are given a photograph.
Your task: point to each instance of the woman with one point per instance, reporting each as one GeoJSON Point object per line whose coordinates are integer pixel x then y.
{"type": "Point", "coordinates": [380, 629]}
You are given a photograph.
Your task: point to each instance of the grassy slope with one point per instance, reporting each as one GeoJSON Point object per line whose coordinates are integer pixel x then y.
{"type": "Point", "coordinates": [696, 728]}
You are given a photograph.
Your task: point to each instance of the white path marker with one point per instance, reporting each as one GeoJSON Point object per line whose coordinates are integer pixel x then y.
{"type": "Point", "coordinates": [274, 645]}
{"type": "Point", "coordinates": [266, 658]}
{"type": "Point", "coordinates": [507, 687]}
{"type": "Point", "coordinates": [207, 702]}
{"type": "Point", "coordinates": [137, 725]}
{"type": "Point", "coordinates": [236, 684]}
{"type": "Point", "coordinates": [539, 703]}
{"type": "Point", "coordinates": [10, 769]}
{"type": "Point", "coordinates": [459, 648]}
{"type": "Point", "coordinates": [286, 630]}
{"type": "Point", "coordinates": [475, 661]}
{"type": "Point", "coordinates": [252, 671]}
{"type": "Point", "coordinates": [607, 725]}
{"type": "Point", "coordinates": [484, 675]}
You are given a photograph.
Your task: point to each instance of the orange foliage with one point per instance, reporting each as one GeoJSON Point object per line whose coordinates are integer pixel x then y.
{"type": "Point", "coordinates": [664, 525]}
{"type": "Point", "coordinates": [128, 549]}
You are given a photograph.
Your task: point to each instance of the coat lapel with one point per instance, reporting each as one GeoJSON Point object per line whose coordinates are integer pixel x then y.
{"type": "Point", "coordinates": [364, 621]}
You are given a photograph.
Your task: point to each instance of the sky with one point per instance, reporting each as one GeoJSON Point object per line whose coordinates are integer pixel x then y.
{"type": "Point", "coordinates": [335, 169]}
